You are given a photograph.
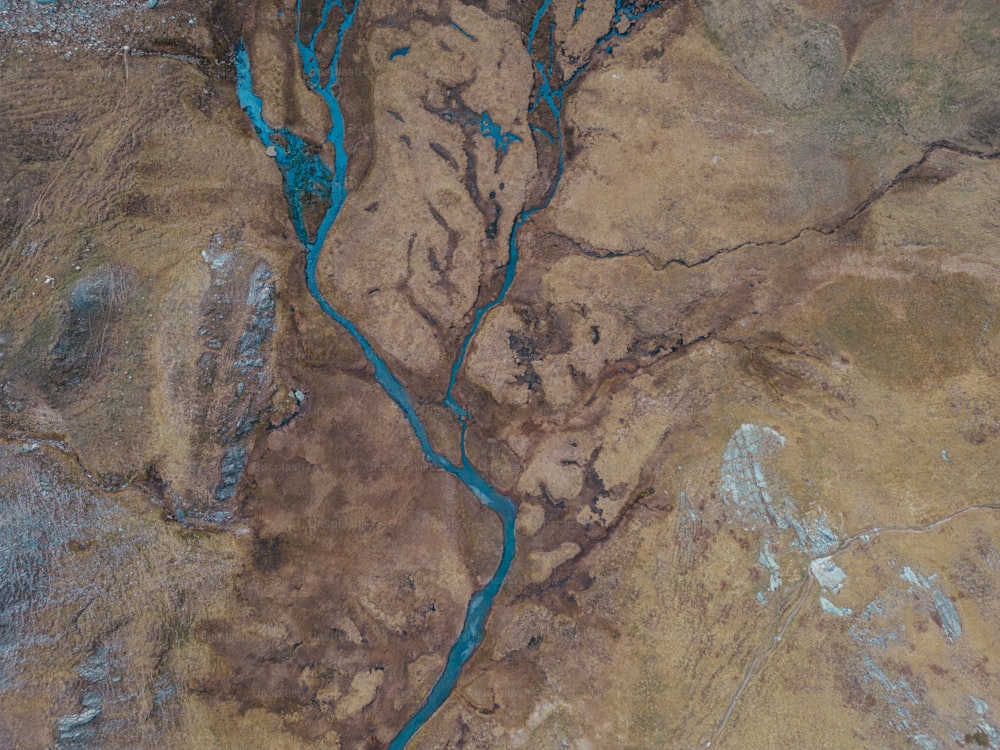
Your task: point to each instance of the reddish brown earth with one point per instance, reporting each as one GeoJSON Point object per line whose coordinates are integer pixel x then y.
{"type": "Point", "coordinates": [775, 220]}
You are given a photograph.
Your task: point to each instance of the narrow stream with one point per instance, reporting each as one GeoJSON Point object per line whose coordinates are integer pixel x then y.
{"type": "Point", "coordinates": [307, 178]}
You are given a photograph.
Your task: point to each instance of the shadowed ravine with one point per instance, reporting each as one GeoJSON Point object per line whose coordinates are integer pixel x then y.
{"type": "Point", "coordinates": [307, 178]}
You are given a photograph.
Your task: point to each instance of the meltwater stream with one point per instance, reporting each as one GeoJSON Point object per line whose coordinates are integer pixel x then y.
{"type": "Point", "coordinates": [306, 178]}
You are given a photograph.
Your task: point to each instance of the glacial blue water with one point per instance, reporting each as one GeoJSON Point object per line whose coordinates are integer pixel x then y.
{"type": "Point", "coordinates": [463, 32]}
{"type": "Point", "coordinates": [305, 177]}
{"type": "Point", "coordinates": [501, 139]}
{"type": "Point", "coordinates": [309, 182]}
